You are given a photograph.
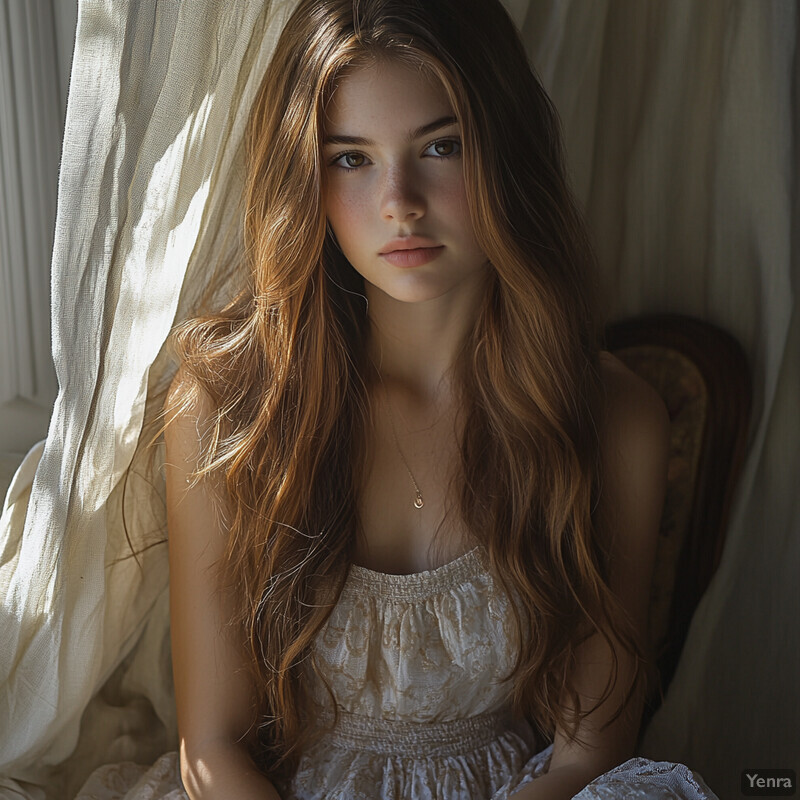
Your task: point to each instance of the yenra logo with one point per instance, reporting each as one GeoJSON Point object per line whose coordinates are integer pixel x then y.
{"type": "Point", "coordinates": [768, 782]}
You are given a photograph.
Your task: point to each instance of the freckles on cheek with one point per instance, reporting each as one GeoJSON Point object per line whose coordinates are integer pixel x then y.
{"type": "Point", "coordinates": [344, 215]}
{"type": "Point", "coordinates": [349, 208]}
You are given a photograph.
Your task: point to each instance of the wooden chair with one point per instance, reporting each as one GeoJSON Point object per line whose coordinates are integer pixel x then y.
{"type": "Point", "coordinates": [702, 375]}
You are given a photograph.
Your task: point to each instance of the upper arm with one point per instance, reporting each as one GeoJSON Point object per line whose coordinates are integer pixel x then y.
{"type": "Point", "coordinates": [635, 453]}
{"type": "Point", "coordinates": [213, 693]}
{"type": "Point", "coordinates": [634, 443]}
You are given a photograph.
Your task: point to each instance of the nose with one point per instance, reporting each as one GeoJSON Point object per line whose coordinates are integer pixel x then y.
{"type": "Point", "coordinates": [403, 196]}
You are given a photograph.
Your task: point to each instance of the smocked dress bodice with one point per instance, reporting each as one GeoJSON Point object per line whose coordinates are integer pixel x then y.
{"type": "Point", "coordinates": [427, 647]}
{"type": "Point", "coordinates": [416, 664]}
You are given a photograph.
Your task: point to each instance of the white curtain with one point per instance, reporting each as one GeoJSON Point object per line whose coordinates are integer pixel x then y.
{"type": "Point", "coordinates": [150, 167]}
{"type": "Point", "coordinates": [681, 134]}
{"type": "Point", "coordinates": [36, 41]}
{"type": "Point", "coordinates": [30, 141]}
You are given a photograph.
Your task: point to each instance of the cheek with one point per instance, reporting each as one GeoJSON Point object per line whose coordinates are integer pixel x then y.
{"type": "Point", "coordinates": [453, 199]}
{"type": "Point", "coordinates": [451, 194]}
{"type": "Point", "coordinates": [345, 211]}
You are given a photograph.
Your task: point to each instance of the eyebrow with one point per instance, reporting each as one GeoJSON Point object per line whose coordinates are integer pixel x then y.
{"type": "Point", "coordinates": [442, 122]}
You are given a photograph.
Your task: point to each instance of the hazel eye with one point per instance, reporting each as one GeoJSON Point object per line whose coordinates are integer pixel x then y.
{"type": "Point", "coordinates": [348, 165]}
{"type": "Point", "coordinates": [452, 147]}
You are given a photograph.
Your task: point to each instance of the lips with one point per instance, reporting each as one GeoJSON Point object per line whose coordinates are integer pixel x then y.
{"type": "Point", "coordinates": [408, 243]}
{"type": "Point", "coordinates": [413, 256]}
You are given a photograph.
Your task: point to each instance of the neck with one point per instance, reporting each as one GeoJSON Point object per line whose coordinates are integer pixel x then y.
{"type": "Point", "coordinates": [415, 345]}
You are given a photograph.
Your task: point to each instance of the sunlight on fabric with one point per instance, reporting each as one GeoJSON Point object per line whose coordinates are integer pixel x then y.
{"type": "Point", "coordinates": [159, 96]}
{"type": "Point", "coordinates": [152, 288]}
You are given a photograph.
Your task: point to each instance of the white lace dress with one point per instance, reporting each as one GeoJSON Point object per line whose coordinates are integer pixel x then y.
{"type": "Point", "coordinates": [414, 662]}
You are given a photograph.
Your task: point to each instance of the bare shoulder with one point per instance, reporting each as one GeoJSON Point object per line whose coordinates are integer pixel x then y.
{"type": "Point", "coordinates": [185, 393]}
{"type": "Point", "coordinates": [634, 444]}
{"type": "Point", "coordinates": [188, 411]}
{"type": "Point", "coordinates": [634, 417]}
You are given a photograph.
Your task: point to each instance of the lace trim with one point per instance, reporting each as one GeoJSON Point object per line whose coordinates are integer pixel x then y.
{"type": "Point", "coordinates": [357, 732]}
{"type": "Point", "coordinates": [416, 584]}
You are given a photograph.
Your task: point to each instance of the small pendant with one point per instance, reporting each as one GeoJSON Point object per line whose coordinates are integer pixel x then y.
{"type": "Point", "coordinates": [418, 501]}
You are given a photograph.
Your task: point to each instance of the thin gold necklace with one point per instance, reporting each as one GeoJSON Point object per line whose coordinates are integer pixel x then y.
{"type": "Point", "coordinates": [418, 501]}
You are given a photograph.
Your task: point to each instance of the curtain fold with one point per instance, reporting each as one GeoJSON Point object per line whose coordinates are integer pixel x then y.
{"type": "Point", "coordinates": [30, 140]}
{"type": "Point", "coordinates": [681, 130]}
{"type": "Point", "coordinates": [148, 183]}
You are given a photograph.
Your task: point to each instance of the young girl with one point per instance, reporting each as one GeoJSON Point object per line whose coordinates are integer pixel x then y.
{"type": "Point", "coordinates": [412, 505]}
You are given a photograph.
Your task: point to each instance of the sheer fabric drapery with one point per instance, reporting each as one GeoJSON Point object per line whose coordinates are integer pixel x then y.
{"type": "Point", "coordinates": [150, 168]}
{"type": "Point", "coordinates": [681, 135]}
{"type": "Point", "coordinates": [30, 136]}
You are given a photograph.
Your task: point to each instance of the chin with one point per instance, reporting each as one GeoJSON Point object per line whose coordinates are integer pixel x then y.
{"type": "Point", "coordinates": [415, 294]}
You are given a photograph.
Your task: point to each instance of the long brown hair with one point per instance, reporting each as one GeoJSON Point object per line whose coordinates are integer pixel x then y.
{"type": "Point", "coordinates": [283, 364]}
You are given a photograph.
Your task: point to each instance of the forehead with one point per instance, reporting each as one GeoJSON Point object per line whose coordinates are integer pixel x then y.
{"type": "Point", "coordinates": [385, 94]}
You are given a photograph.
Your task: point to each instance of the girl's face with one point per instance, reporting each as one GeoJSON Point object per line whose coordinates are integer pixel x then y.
{"type": "Point", "coordinates": [394, 179]}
